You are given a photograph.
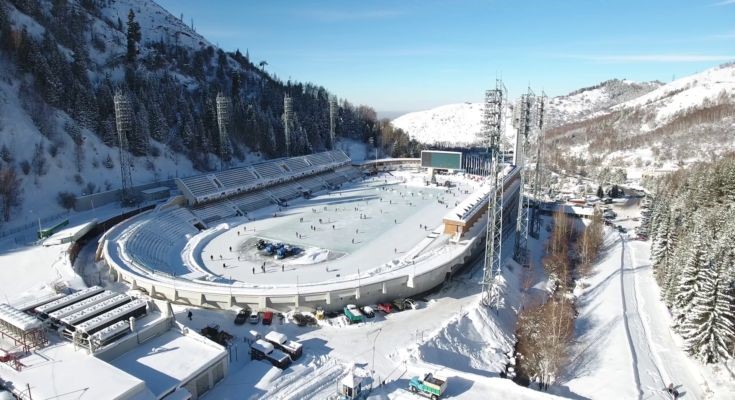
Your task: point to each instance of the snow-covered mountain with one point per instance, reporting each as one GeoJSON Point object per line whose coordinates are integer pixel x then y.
{"type": "Point", "coordinates": [459, 124]}
{"type": "Point", "coordinates": [453, 123]}
{"type": "Point", "coordinates": [62, 61]}
{"type": "Point", "coordinates": [616, 123]}
{"type": "Point", "coordinates": [591, 100]}
{"type": "Point", "coordinates": [689, 119]}
{"type": "Point", "coordinates": [449, 125]}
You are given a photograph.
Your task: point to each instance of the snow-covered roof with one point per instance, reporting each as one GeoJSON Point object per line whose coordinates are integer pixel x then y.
{"type": "Point", "coordinates": [18, 318]}
{"type": "Point", "coordinates": [169, 359]}
{"type": "Point", "coordinates": [263, 346]}
{"type": "Point", "coordinates": [59, 370]}
{"type": "Point", "coordinates": [277, 337]}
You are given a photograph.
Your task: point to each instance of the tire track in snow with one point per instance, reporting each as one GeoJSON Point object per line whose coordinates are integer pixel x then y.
{"type": "Point", "coordinates": [650, 384]}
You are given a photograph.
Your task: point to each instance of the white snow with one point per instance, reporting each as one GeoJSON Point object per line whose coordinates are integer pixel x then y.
{"type": "Point", "coordinates": [453, 123]}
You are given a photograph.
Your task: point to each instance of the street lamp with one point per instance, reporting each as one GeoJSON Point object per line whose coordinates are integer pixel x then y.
{"type": "Point", "coordinates": [374, 340]}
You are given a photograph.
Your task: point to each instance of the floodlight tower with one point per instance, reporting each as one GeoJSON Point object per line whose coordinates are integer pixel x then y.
{"type": "Point", "coordinates": [223, 121]}
{"type": "Point", "coordinates": [332, 121]}
{"type": "Point", "coordinates": [124, 124]}
{"type": "Point", "coordinates": [492, 133]}
{"type": "Point", "coordinates": [287, 122]}
{"type": "Point", "coordinates": [525, 127]}
{"type": "Point", "coordinates": [535, 216]}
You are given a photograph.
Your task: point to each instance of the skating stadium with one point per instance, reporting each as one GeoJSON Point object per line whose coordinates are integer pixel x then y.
{"type": "Point", "coordinates": [363, 233]}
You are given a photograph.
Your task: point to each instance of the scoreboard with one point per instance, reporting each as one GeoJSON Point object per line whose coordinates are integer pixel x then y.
{"type": "Point", "coordinates": [441, 159]}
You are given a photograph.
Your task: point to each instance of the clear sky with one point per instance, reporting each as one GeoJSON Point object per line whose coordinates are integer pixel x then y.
{"type": "Point", "coordinates": [410, 55]}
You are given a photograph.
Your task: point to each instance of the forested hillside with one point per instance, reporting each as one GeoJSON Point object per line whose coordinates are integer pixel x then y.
{"type": "Point", "coordinates": [693, 255]}
{"type": "Point", "coordinates": [61, 62]}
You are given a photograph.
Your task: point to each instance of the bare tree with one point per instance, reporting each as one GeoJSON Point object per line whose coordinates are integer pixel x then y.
{"type": "Point", "coordinates": [10, 191]}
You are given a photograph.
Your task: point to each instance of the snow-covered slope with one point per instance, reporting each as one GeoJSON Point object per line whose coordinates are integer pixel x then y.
{"type": "Point", "coordinates": [459, 124]}
{"type": "Point", "coordinates": [450, 125]}
{"type": "Point", "coordinates": [62, 61]}
{"type": "Point", "coordinates": [710, 87]}
{"type": "Point", "coordinates": [690, 119]}
{"type": "Point", "coordinates": [453, 123]}
{"type": "Point", "coordinates": [592, 100]}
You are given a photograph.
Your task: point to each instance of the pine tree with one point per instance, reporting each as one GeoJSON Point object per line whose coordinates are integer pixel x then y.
{"type": "Point", "coordinates": [600, 193]}
{"type": "Point", "coordinates": [710, 326]}
{"type": "Point", "coordinates": [688, 281]}
{"type": "Point", "coordinates": [133, 37]}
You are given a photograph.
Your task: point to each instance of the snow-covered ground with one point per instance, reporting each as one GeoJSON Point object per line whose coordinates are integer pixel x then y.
{"type": "Point", "coordinates": [622, 331]}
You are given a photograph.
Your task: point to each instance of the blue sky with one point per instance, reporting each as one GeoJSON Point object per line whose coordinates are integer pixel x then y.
{"type": "Point", "coordinates": [399, 56]}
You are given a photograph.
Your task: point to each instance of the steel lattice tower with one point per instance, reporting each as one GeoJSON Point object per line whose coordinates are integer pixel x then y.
{"type": "Point", "coordinates": [535, 217]}
{"type": "Point", "coordinates": [287, 122]}
{"type": "Point", "coordinates": [493, 129]}
{"type": "Point", "coordinates": [332, 121]}
{"type": "Point", "coordinates": [224, 105]}
{"type": "Point", "coordinates": [525, 127]}
{"type": "Point", "coordinates": [124, 124]}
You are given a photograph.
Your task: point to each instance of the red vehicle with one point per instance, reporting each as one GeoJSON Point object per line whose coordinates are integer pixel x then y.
{"type": "Point", "coordinates": [267, 318]}
{"type": "Point", "coordinates": [385, 307]}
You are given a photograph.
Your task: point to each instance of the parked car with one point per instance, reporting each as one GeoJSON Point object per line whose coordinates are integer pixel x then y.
{"type": "Point", "coordinates": [353, 314]}
{"type": "Point", "coordinates": [242, 316]}
{"type": "Point", "coordinates": [254, 318]}
{"type": "Point", "coordinates": [385, 307]}
{"type": "Point", "coordinates": [368, 312]}
{"type": "Point", "coordinates": [399, 304]}
{"type": "Point", "coordinates": [267, 317]}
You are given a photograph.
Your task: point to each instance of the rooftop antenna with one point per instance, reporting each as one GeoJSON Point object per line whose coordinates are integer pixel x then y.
{"type": "Point", "coordinates": [287, 122]}
{"type": "Point", "coordinates": [224, 105]}
{"type": "Point", "coordinates": [492, 122]}
{"type": "Point", "coordinates": [124, 124]}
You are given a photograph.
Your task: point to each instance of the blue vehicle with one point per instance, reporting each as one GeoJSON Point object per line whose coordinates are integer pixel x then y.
{"type": "Point", "coordinates": [287, 251]}
{"type": "Point", "coordinates": [272, 248]}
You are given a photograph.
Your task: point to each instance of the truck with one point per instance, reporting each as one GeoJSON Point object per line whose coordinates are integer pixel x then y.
{"type": "Point", "coordinates": [353, 314]}
{"type": "Point", "coordinates": [430, 386]}
{"type": "Point", "coordinates": [262, 350]}
{"type": "Point", "coordinates": [281, 342]}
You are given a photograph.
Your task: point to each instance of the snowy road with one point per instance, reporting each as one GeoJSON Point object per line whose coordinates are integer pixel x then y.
{"type": "Point", "coordinates": [659, 351]}
{"type": "Point", "coordinates": [648, 375]}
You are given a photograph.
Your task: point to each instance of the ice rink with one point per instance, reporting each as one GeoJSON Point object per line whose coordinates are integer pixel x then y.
{"type": "Point", "coordinates": [362, 226]}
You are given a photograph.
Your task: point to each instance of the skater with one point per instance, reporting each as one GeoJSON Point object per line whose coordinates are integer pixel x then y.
{"type": "Point", "coordinates": [224, 265]}
{"type": "Point", "coordinates": [353, 240]}
{"type": "Point", "coordinates": [211, 257]}
{"type": "Point", "coordinates": [220, 256]}
{"type": "Point", "coordinates": [332, 227]}
{"type": "Point", "coordinates": [283, 267]}
{"type": "Point", "coordinates": [253, 270]}
{"type": "Point", "coordinates": [189, 314]}
{"type": "Point", "coordinates": [230, 249]}
{"type": "Point", "coordinates": [395, 221]}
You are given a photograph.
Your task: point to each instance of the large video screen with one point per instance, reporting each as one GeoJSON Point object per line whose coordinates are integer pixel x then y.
{"type": "Point", "coordinates": [441, 159]}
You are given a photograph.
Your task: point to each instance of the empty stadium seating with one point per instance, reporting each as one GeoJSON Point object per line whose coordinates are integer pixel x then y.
{"type": "Point", "coordinates": [252, 201]}
{"type": "Point", "coordinates": [269, 170]}
{"type": "Point", "coordinates": [236, 177]}
{"type": "Point", "coordinates": [150, 242]}
{"type": "Point", "coordinates": [215, 210]}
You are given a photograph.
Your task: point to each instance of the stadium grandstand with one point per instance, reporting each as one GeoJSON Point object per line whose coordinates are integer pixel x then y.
{"type": "Point", "coordinates": [235, 192]}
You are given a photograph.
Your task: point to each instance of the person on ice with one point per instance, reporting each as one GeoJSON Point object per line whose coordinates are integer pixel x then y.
{"type": "Point", "coordinates": [189, 314]}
